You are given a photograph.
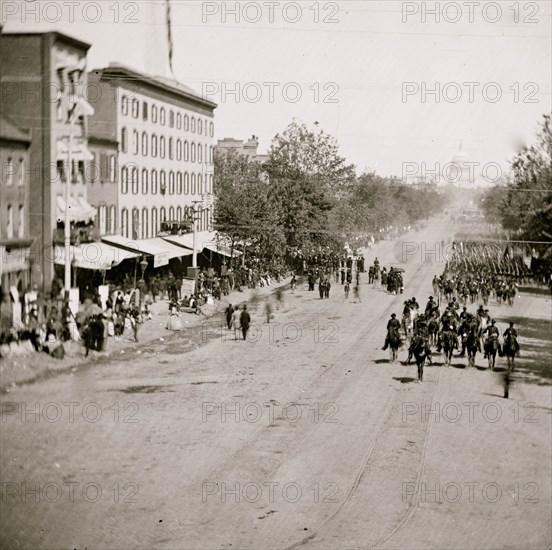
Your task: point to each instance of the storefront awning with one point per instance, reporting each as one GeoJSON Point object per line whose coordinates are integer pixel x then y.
{"type": "Point", "coordinates": [96, 255]}
{"type": "Point", "coordinates": [204, 240]}
{"type": "Point", "coordinates": [222, 250]}
{"type": "Point", "coordinates": [79, 209]}
{"type": "Point", "coordinates": [161, 250]}
{"type": "Point", "coordinates": [79, 151]}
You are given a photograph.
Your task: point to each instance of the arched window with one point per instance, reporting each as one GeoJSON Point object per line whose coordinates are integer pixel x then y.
{"type": "Point", "coordinates": [193, 189]}
{"type": "Point", "coordinates": [144, 181]}
{"type": "Point", "coordinates": [186, 183]}
{"type": "Point", "coordinates": [199, 153]}
{"type": "Point", "coordinates": [135, 180]}
{"type": "Point", "coordinates": [123, 139]}
{"type": "Point", "coordinates": [145, 223]}
{"type": "Point", "coordinates": [162, 214]}
{"type": "Point", "coordinates": [186, 151]}
{"type": "Point", "coordinates": [171, 183]}
{"type": "Point", "coordinates": [211, 129]}
{"type": "Point", "coordinates": [186, 123]}
{"type": "Point", "coordinates": [124, 179]}
{"type": "Point", "coordinates": [193, 125]}
{"type": "Point", "coordinates": [124, 105]}
{"type": "Point", "coordinates": [102, 215]}
{"type": "Point", "coordinates": [199, 126]}
{"type": "Point", "coordinates": [206, 156]}
{"type": "Point", "coordinates": [178, 149]}
{"type": "Point", "coordinates": [162, 116]}
{"type": "Point", "coordinates": [112, 219]}
{"type": "Point", "coordinates": [211, 154]}
{"type": "Point", "coordinates": [170, 148]}
{"type": "Point", "coordinates": [154, 182]}
{"type": "Point", "coordinates": [171, 119]}
{"type": "Point", "coordinates": [135, 223]}
{"type": "Point", "coordinates": [162, 147]}
{"type": "Point", "coordinates": [179, 183]}
{"type": "Point", "coordinates": [154, 222]}
{"type": "Point", "coordinates": [144, 144]}
{"type": "Point", "coordinates": [199, 184]}
{"type": "Point", "coordinates": [193, 152]}
{"type": "Point", "coordinates": [135, 144]}
{"type": "Point", "coordinates": [135, 108]}
{"type": "Point", "coordinates": [153, 145]}
{"type": "Point", "coordinates": [163, 182]}
{"type": "Point", "coordinates": [179, 213]}
{"type": "Point", "coordinates": [124, 223]}
{"type": "Point", "coordinates": [154, 113]}
{"type": "Point", "coordinates": [178, 121]}
{"type": "Point", "coordinates": [112, 168]}
{"type": "Point", "coordinates": [171, 213]}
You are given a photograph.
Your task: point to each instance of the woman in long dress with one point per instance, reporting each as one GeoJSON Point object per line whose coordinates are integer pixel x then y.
{"type": "Point", "coordinates": [174, 322]}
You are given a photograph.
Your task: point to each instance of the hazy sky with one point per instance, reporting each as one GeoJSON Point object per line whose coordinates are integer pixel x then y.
{"type": "Point", "coordinates": [350, 62]}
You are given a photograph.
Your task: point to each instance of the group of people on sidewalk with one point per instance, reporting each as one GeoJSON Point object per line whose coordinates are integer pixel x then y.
{"type": "Point", "coordinates": [238, 319]}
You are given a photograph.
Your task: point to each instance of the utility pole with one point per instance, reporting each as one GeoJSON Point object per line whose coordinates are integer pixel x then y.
{"type": "Point", "coordinates": [194, 213]}
{"type": "Point", "coordinates": [67, 226]}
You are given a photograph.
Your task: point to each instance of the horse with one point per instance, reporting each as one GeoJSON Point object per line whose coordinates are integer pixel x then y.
{"type": "Point", "coordinates": [419, 349]}
{"type": "Point", "coordinates": [449, 341]}
{"type": "Point", "coordinates": [492, 347]}
{"type": "Point", "coordinates": [394, 341]}
{"type": "Point", "coordinates": [472, 346]}
{"type": "Point", "coordinates": [433, 328]}
{"type": "Point", "coordinates": [510, 349]}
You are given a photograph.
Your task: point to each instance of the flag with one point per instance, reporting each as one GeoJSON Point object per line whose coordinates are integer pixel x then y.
{"type": "Point", "coordinates": [169, 36]}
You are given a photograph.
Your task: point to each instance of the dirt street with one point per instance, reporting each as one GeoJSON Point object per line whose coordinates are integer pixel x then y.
{"type": "Point", "coordinates": [303, 436]}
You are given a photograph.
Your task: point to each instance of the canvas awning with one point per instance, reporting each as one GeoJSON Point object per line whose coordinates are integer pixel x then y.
{"type": "Point", "coordinates": [79, 209]}
{"type": "Point", "coordinates": [204, 239]}
{"type": "Point", "coordinates": [96, 255]}
{"type": "Point", "coordinates": [161, 250]}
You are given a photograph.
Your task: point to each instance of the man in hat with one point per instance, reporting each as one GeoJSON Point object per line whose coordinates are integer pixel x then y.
{"type": "Point", "coordinates": [429, 306]}
{"type": "Point", "coordinates": [392, 324]}
{"type": "Point", "coordinates": [228, 312]}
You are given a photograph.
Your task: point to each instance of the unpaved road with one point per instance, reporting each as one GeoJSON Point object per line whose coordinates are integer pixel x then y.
{"type": "Point", "coordinates": [304, 437]}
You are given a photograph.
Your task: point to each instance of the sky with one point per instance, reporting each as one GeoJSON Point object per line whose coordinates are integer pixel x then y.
{"type": "Point", "coordinates": [363, 70]}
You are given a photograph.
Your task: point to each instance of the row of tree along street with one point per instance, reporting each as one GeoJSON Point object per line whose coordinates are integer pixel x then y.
{"type": "Point", "coordinates": [307, 199]}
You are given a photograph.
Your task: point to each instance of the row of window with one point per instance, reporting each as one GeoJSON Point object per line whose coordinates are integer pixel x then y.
{"type": "Point", "coordinates": [106, 220]}
{"type": "Point", "coordinates": [145, 224]}
{"type": "Point", "coordinates": [14, 172]}
{"type": "Point", "coordinates": [153, 181]}
{"type": "Point", "coordinates": [10, 224]}
{"type": "Point", "coordinates": [175, 120]}
{"type": "Point", "coordinates": [172, 148]}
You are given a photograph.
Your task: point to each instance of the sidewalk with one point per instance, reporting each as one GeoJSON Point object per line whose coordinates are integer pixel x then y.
{"type": "Point", "coordinates": [28, 366]}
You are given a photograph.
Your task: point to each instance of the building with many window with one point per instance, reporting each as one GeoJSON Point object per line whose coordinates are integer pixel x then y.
{"type": "Point", "coordinates": [44, 80]}
{"type": "Point", "coordinates": [165, 136]}
{"type": "Point", "coordinates": [14, 220]}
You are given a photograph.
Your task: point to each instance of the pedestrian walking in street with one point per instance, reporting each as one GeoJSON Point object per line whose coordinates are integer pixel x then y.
{"type": "Point", "coordinates": [268, 310]}
{"type": "Point", "coordinates": [229, 311]}
{"type": "Point", "coordinates": [327, 286]}
{"type": "Point", "coordinates": [245, 321]}
{"type": "Point", "coordinates": [347, 288]}
{"type": "Point", "coordinates": [357, 293]}
{"type": "Point", "coordinates": [236, 322]}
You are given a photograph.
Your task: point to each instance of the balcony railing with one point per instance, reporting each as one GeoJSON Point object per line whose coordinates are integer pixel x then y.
{"type": "Point", "coordinates": [79, 235]}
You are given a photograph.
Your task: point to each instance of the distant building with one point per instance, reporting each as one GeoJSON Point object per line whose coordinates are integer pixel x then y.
{"type": "Point", "coordinates": [43, 79]}
{"type": "Point", "coordinates": [164, 135]}
{"type": "Point", "coordinates": [248, 148]}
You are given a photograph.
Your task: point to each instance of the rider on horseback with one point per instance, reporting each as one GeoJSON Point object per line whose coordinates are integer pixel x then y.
{"type": "Point", "coordinates": [490, 331]}
{"type": "Point", "coordinates": [392, 325]}
{"type": "Point", "coordinates": [511, 334]}
{"type": "Point", "coordinates": [421, 334]}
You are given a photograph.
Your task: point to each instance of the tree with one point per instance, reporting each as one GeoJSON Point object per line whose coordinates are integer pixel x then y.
{"type": "Point", "coordinates": [525, 207]}
{"type": "Point", "coordinates": [307, 176]}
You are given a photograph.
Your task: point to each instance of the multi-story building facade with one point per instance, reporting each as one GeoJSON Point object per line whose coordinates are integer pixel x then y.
{"type": "Point", "coordinates": [165, 135]}
{"type": "Point", "coordinates": [43, 79]}
{"type": "Point", "coordinates": [102, 178]}
{"type": "Point", "coordinates": [14, 220]}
